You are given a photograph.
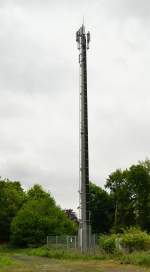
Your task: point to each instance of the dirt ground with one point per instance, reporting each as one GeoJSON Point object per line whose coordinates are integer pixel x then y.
{"type": "Point", "coordinates": [41, 264]}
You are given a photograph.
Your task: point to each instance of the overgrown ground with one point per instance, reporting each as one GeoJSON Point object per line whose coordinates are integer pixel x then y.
{"type": "Point", "coordinates": [24, 261]}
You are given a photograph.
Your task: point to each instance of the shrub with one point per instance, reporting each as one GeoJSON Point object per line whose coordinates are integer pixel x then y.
{"type": "Point", "coordinates": [107, 243]}
{"type": "Point", "coordinates": [135, 239]}
{"type": "Point", "coordinates": [132, 239]}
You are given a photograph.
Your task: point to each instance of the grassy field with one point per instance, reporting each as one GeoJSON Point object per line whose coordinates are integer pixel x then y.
{"type": "Point", "coordinates": [25, 261]}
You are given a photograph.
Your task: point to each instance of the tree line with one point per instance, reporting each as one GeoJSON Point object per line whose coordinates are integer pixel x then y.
{"type": "Point", "coordinates": [26, 218]}
{"type": "Point", "coordinates": [125, 202]}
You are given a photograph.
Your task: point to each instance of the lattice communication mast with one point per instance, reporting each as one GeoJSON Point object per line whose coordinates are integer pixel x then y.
{"type": "Point", "coordinates": [83, 40]}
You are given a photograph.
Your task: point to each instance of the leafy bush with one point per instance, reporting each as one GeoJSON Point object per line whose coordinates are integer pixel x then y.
{"type": "Point", "coordinates": [135, 239]}
{"type": "Point", "coordinates": [130, 240]}
{"type": "Point", "coordinates": [37, 219]}
{"type": "Point", "coordinates": [107, 243]}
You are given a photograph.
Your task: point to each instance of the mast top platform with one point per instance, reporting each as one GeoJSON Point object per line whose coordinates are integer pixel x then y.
{"type": "Point", "coordinates": [80, 35]}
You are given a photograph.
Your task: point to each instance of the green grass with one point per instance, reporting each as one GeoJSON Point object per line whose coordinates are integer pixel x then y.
{"type": "Point", "coordinates": [6, 261]}
{"type": "Point", "coordinates": [29, 260]}
{"type": "Point", "coordinates": [54, 253]}
{"type": "Point", "coordinates": [137, 258]}
{"type": "Point", "coordinates": [64, 254]}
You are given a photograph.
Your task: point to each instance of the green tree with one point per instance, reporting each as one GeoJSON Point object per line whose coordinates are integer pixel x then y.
{"type": "Point", "coordinates": [119, 187]}
{"type": "Point", "coordinates": [131, 191]}
{"type": "Point", "coordinates": [38, 218]}
{"type": "Point", "coordinates": [139, 182]}
{"type": "Point", "coordinates": [37, 192]}
{"type": "Point", "coordinates": [102, 209]}
{"type": "Point", "coordinates": [12, 197]}
{"type": "Point", "coordinates": [145, 164]}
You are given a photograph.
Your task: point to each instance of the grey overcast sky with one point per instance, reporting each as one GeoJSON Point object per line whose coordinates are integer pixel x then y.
{"type": "Point", "coordinates": [39, 90]}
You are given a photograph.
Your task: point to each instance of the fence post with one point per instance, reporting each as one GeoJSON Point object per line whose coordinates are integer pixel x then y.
{"type": "Point", "coordinates": [75, 241]}
{"type": "Point", "coordinates": [94, 243]}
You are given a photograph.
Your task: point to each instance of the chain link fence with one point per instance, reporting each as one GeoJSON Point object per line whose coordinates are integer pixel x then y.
{"type": "Point", "coordinates": [62, 241]}
{"type": "Point", "coordinates": [68, 241]}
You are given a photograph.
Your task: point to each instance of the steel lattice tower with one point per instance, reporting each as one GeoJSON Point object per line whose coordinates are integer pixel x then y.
{"type": "Point", "coordinates": [85, 228]}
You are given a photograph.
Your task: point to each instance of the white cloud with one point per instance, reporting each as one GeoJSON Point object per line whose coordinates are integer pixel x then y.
{"type": "Point", "coordinates": [127, 8]}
